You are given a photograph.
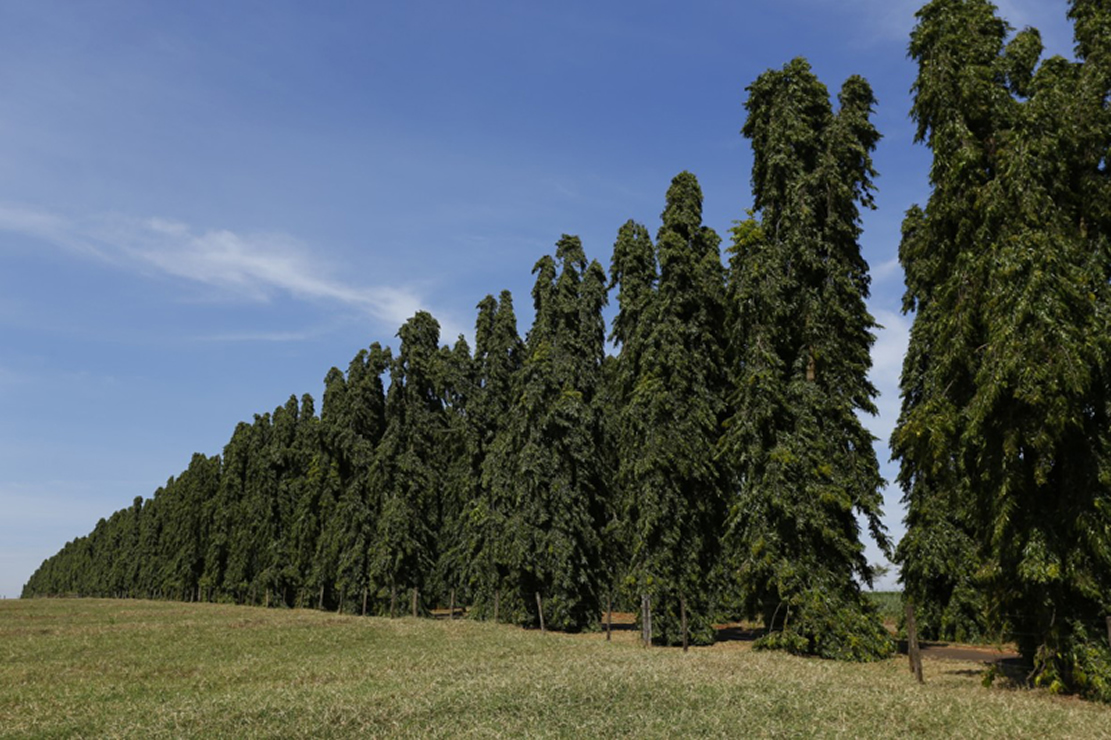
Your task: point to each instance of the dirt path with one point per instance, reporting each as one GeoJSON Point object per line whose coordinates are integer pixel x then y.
{"type": "Point", "coordinates": [966, 653]}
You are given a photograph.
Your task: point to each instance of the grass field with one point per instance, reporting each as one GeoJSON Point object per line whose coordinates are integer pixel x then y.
{"type": "Point", "coordinates": [132, 668]}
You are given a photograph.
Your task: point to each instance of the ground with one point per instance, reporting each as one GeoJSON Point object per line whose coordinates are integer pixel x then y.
{"type": "Point", "coordinates": [79, 668]}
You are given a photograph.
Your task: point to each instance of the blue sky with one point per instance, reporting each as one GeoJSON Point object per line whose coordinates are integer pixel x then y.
{"type": "Point", "coordinates": [205, 205]}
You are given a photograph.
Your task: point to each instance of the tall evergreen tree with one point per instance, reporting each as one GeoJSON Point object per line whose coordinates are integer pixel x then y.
{"type": "Point", "coordinates": [498, 357]}
{"type": "Point", "coordinates": [1004, 437]}
{"type": "Point", "coordinates": [545, 467]}
{"type": "Point", "coordinates": [670, 396]}
{"type": "Point", "coordinates": [801, 337]}
{"type": "Point", "coordinates": [407, 476]}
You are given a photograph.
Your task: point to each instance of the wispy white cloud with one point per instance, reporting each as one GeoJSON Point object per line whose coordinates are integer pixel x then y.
{"type": "Point", "coordinates": [247, 266]}
{"type": "Point", "coordinates": [894, 19]}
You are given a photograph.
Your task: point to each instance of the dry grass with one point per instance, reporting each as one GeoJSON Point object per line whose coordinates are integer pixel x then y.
{"type": "Point", "coordinates": [133, 668]}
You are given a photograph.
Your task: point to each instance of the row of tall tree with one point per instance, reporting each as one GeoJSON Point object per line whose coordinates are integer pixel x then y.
{"type": "Point", "coordinates": [714, 466]}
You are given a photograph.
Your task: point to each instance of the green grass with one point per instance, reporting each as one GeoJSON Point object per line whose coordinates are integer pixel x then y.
{"type": "Point", "coordinates": [148, 669]}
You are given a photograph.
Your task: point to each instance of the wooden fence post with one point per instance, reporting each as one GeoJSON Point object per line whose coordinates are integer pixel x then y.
{"type": "Point", "coordinates": [913, 653]}
{"type": "Point", "coordinates": [540, 610]}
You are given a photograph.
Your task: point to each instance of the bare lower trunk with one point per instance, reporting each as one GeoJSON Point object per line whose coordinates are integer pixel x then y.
{"type": "Point", "coordinates": [683, 613]}
{"type": "Point", "coordinates": [609, 616]}
{"type": "Point", "coordinates": [540, 611]}
{"type": "Point", "coordinates": [913, 653]}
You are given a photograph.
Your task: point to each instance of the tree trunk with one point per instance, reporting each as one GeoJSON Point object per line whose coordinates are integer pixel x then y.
{"type": "Point", "coordinates": [364, 601]}
{"type": "Point", "coordinates": [913, 653]}
{"type": "Point", "coordinates": [393, 601]}
{"type": "Point", "coordinates": [320, 604]}
{"type": "Point", "coordinates": [451, 608]}
{"type": "Point", "coordinates": [683, 612]}
{"type": "Point", "coordinates": [414, 603]}
{"type": "Point", "coordinates": [540, 611]}
{"type": "Point", "coordinates": [497, 601]}
{"type": "Point", "coordinates": [609, 615]}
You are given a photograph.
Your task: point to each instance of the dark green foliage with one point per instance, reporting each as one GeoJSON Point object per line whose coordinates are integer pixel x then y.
{"type": "Point", "coordinates": [498, 357]}
{"type": "Point", "coordinates": [804, 466]}
{"type": "Point", "coordinates": [669, 403]}
{"type": "Point", "coordinates": [545, 466]}
{"type": "Point", "coordinates": [407, 480]}
{"type": "Point", "coordinates": [1005, 434]}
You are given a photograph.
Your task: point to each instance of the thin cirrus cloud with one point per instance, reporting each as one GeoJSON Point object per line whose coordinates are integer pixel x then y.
{"type": "Point", "coordinates": [894, 19]}
{"type": "Point", "coordinates": [247, 266]}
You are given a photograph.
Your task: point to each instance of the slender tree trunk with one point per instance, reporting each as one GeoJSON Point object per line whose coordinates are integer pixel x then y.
{"type": "Point", "coordinates": [648, 605]}
{"type": "Point", "coordinates": [609, 615]}
{"type": "Point", "coordinates": [320, 603]}
{"type": "Point", "coordinates": [497, 602]}
{"type": "Point", "coordinates": [415, 603]}
{"type": "Point", "coordinates": [683, 613]}
{"type": "Point", "coordinates": [540, 611]}
{"type": "Point", "coordinates": [451, 608]}
{"type": "Point", "coordinates": [913, 653]}
{"type": "Point", "coordinates": [364, 601]}
{"type": "Point", "coordinates": [267, 598]}
{"type": "Point", "coordinates": [393, 601]}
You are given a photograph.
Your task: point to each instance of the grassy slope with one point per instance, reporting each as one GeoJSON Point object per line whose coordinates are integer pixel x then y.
{"type": "Point", "coordinates": [133, 668]}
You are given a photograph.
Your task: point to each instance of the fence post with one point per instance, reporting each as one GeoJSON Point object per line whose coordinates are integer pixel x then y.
{"type": "Point", "coordinates": [913, 653]}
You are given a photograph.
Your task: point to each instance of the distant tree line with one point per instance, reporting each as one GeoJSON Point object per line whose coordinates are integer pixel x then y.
{"type": "Point", "coordinates": [715, 465]}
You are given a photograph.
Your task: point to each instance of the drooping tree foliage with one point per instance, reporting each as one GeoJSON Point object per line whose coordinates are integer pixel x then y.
{"type": "Point", "coordinates": [1004, 434]}
{"type": "Point", "coordinates": [408, 480]}
{"type": "Point", "coordinates": [546, 465]}
{"type": "Point", "coordinates": [498, 356]}
{"type": "Point", "coordinates": [803, 464]}
{"type": "Point", "coordinates": [669, 403]}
